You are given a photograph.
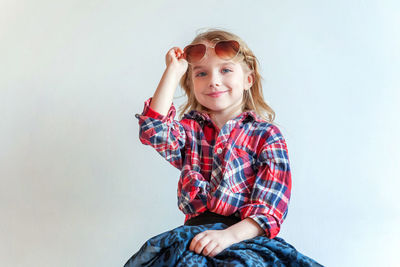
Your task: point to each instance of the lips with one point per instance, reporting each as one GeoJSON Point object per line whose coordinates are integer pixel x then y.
{"type": "Point", "coordinates": [216, 94]}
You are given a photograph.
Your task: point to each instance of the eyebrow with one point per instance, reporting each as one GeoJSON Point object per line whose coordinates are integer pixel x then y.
{"type": "Point", "coordinates": [222, 64]}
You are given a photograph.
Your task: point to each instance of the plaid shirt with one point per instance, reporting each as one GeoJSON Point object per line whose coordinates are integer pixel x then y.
{"type": "Point", "coordinates": [241, 169]}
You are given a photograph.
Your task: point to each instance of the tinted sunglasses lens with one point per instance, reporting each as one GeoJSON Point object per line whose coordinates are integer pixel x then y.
{"type": "Point", "coordinates": [194, 53]}
{"type": "Point", "coordinates": [227, 49]}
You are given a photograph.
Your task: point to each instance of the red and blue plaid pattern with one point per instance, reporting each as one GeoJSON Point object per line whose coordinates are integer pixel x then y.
{"type": "Point", "coordinates": [241, 169]}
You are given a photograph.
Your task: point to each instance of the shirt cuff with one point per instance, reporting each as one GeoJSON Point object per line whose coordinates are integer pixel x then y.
{"type": "Point", "coordinates": [262, 215]}
{"type": "Point", "coordinates": [151, 113]}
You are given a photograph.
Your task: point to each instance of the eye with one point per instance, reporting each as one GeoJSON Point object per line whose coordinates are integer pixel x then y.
{"type": "Point", "coordinates": [226, 70]}
{"type": "Point", "coordinates": [200, 74]}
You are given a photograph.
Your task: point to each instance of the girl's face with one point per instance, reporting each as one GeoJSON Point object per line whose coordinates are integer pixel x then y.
{"type": "Point", "coordinates": [219, 84]}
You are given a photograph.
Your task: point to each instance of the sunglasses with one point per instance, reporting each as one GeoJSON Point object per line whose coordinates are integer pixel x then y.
{"type": "Point", "coordinates": [223, 49]}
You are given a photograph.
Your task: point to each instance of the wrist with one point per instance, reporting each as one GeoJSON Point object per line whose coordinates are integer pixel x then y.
{"type": "Point", "coordinates": [245, 229]}
{"type": "Point", "coordinates": [232, 235]}
{"type": "Point", "coordinates": [175, 71]}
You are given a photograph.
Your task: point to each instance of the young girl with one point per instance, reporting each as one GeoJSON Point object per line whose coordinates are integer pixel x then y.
{"type": "Point", "coordinates": [235, 181]}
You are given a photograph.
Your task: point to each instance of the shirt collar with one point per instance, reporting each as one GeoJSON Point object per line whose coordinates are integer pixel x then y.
{"type": "Point", "coordinates": [201, 117]}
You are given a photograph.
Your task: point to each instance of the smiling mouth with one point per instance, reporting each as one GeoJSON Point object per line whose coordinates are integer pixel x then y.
{"type": "Point", "coordinates": [216, 94]}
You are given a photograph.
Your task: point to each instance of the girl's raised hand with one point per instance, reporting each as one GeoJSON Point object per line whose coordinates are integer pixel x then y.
{"type": "Point", "coordinates": [174, 59]}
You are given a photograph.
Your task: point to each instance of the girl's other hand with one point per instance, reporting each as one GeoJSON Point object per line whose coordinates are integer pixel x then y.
{"type": "Point", "coordinates": [211, 242]}
{"type": "Point", "coordinates": [174, 59]}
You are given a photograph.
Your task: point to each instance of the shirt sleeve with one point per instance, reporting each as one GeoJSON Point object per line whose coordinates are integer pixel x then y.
{"type": "Point", "coordinates": [270, 195]}
{"type": "Point", "coordinates": [166, 135]}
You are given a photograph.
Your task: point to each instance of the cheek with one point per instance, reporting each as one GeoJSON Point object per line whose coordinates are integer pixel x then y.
{"type": "Point", "coordinates": [198, 87]}
{"type": "Point", "coordinates": [196, 93]}
{"type": "Point", "coordinates": [196, 83]}
{"type": "Point", "coordinates": [237, 84]}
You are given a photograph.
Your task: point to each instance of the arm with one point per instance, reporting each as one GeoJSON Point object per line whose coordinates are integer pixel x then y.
{"type": "Point", "coordinates": [162, 98]}
{"type": "Point", "coordinates": [269, 199]}
{"type": "Point", "coordinates": [245, 229]}
{"type": "Point", "coordinates": [157, 125]}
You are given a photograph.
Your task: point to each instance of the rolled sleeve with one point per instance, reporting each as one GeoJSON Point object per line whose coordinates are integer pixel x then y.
{"type": "Point", "coordinates": [259, 213]}
{"type": "Point", "coordinates": [269, 199]}
{"type": "Point", "coordinates": [148, 112]}
{"type": "Point", "coordinates": [163, 133]}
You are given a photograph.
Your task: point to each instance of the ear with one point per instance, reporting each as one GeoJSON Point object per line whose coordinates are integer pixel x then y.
{"type": "Point", "coordinates": [249, 80]}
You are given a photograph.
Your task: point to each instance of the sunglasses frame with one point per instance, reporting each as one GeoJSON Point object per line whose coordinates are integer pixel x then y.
{"type": "Point", "coordinates": [207, 46]}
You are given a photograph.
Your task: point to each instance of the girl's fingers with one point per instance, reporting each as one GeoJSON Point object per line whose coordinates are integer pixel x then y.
{"type": "Point", "coordinates": [171, 54]}
{"type": "Point", "coordinates": [175, 56]}
{"type": "Point", "coordinates": [174, 52]}
{"type": "Point", "coordinates": [203, 241]}
{"type": "Point", "coordinates": [201, 245]}
{"type": "Point", "coordinates": [194, 241]}
{"type": "Point", "coordinates": [178, 52]}
{"type": "Point", "coordinates": [180, 56]}
{"type": "Point", "coordinates": [211, 249]}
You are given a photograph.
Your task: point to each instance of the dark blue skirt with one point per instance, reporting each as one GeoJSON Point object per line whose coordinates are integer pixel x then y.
{"type": "Point", "coordinates": [171, 248]}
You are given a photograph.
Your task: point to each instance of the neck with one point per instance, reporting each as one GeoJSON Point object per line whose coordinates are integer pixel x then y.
{"type": "Point", "coordinates": [220, 118]}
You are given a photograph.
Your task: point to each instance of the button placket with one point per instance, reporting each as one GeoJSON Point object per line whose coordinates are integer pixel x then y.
{"type": "Point", "coordinates": [220, 141]}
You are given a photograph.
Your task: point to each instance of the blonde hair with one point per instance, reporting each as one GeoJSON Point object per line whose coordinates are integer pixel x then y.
{"type": "Point", "coordinates": [253, 98]}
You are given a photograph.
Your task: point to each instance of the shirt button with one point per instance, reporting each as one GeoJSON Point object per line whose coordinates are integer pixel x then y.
{"type": "Point", "coordinates": [219, 150]}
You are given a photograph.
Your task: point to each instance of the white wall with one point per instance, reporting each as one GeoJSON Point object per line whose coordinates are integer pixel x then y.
{"type": "Point", "coordinates": [79, 189]}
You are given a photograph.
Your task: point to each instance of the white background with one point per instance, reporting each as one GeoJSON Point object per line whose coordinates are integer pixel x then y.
{"type": "Point", "coordinates": [77, 188]}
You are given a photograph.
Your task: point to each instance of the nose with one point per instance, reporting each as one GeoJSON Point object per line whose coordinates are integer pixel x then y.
{"type": "Point", "coordinates": [214, 79]}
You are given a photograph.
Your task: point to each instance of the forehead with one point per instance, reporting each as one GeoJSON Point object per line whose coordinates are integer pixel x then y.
{"type": "Point", "coordinates": [208, 64]}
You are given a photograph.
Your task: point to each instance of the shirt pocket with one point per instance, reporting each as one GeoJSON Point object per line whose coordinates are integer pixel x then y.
{"type": "Point", "coordinates": [240, 170]}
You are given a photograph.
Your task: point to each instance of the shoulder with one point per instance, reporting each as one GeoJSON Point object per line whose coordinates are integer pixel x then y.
{"type": "Point", "coordinates": [267, 131]}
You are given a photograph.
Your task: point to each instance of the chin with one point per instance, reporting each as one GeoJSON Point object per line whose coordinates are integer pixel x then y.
{"type": "Point", "coordinates": [215, 109]}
